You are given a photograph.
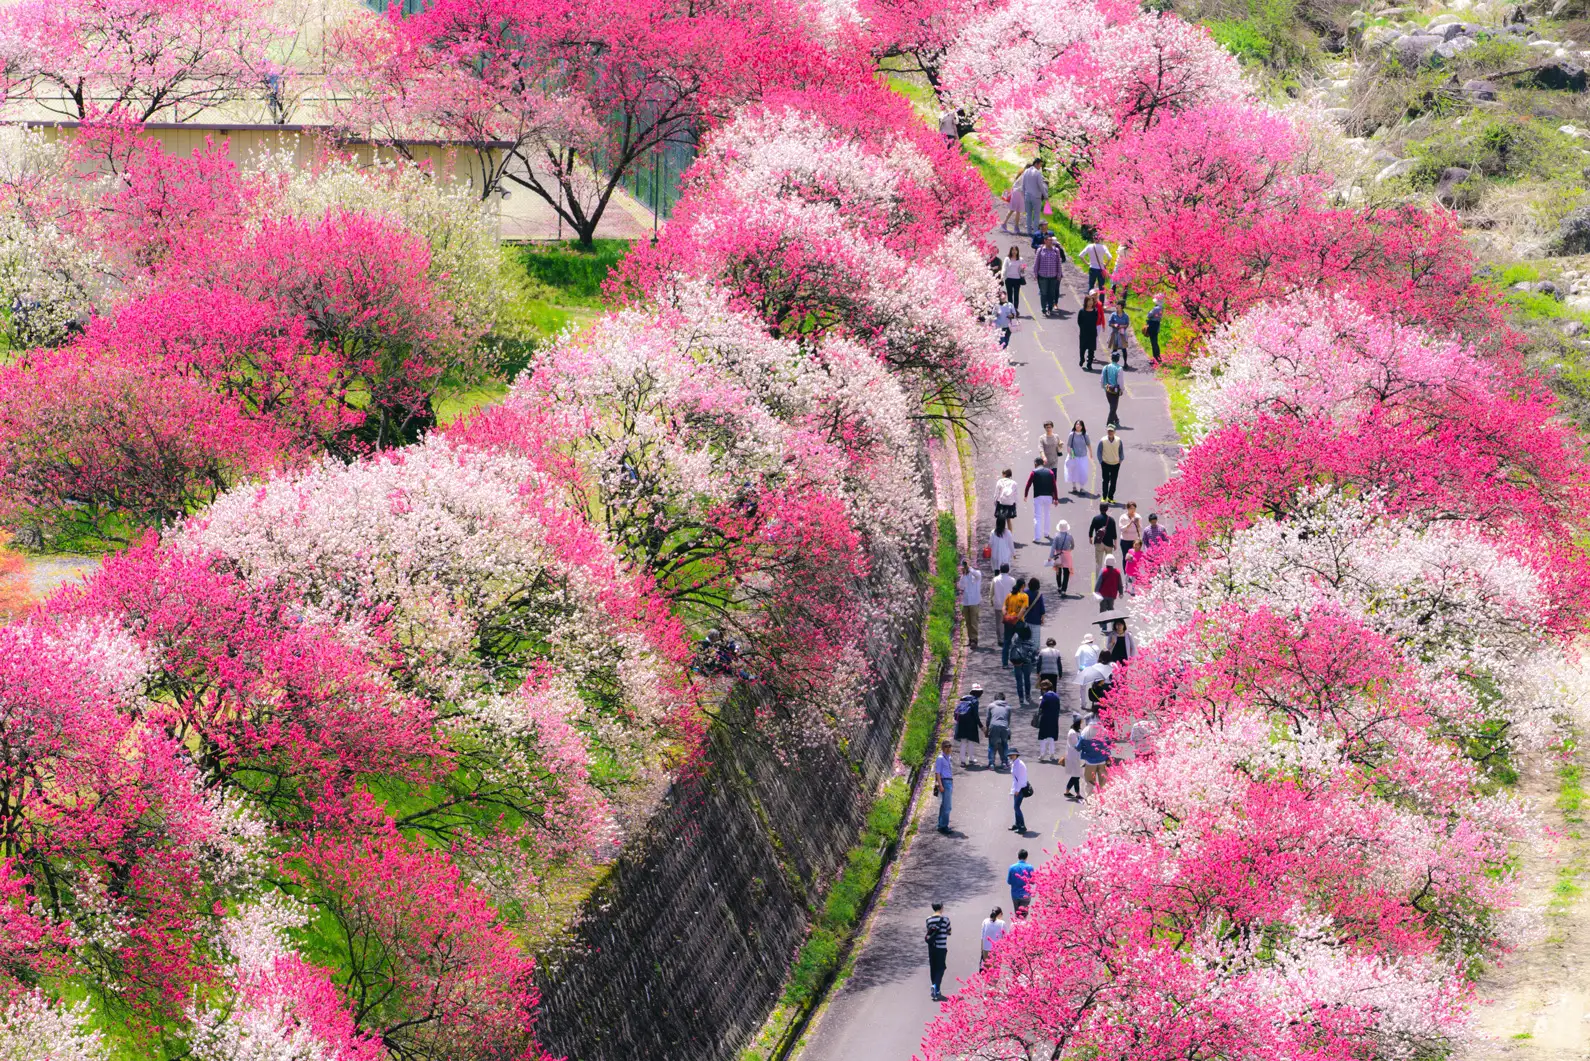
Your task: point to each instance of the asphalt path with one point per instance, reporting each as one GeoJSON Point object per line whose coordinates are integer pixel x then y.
{"type": "Point", "coordinates": [882, 1010]}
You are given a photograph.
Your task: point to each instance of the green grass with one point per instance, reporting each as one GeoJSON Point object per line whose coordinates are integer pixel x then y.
{"type": "Point", "coordinates": [574, 272]}
{"type": "Point", "coordinates": [1177, 383]}
{"type": "Point", "coordinates": [922, 716]}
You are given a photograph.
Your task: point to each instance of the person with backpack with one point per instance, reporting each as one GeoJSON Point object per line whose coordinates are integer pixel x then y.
{"type": "Point", "coordinates": [998, 732]}
{"type": "Point", "coordinates": [969, 723]}
{"type": "Point", "coordinates": [1101, 535]}
{"type": "Point", "coordinates": [937, 937]}
{"type": "Point", "coordinates": [1037, 607]}
{"type": "Point", "coordinates": [1110, 379]}
{"type": "Point", "coordinates": [1023, 657]}
{"type": "Point", "coordinates": [1015, 608]}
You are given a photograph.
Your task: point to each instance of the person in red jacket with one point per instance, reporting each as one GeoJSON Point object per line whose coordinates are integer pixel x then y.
{"type": "Point", "coordinates": [1108, 585]}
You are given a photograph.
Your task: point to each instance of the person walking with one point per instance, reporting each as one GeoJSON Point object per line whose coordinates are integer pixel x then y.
{"type": "Point", "coordinates": [1045, 491]}
{"type": "Point", "coordinates": [993, 931]}
{"type": "Point", "coordinates": [1015, 273]}
{"type": "Point", "coordinates": [1078, 449]}
{"type": "Point", "coordinates": [1019, 790]}
{"type": "Point", "coordinates": [1051, 665]}
{"type": "Point", "coordinates": [1111, 452]}
{"type": "Point", "coordinates": [1109, 584]}
{"type": "Point", "coordinates": [1003, 316]}
{"type": "Point", "coordinates": [1013, 206]}
{"type": "Point", "coordinates": [1120, 327]}
{"type": "Point", "coordinates": [1118, 643]}
{"type": "Point", "coordinates": [969, 591]}
{"type": "Point", "coordinates": [1062, 549]}
{"type": "Point", "coordinates": [1101, 534]}
{"type": "Point", "coordinates": [998, 731]}
{"type": "Point", "coordinates": [1090, 746]}
{"type": "Point", "coordinates": [1003, 583]}
{"type": "Point", "coordinates": [1014, 607]}
{"type": "Point", "coordinates": [937, 937]}
{"type": "Point", "coordinates": [1074, 760]}
{"type": "Point", "coordinates": [1088, 332]}
{"type": "Point", "coordinates": [1034, 191]}
{"type": "Point", "coordinates": [1037, 607]}
{"type": "Point", "coordinates": [1087, 656]}
{"type": "Point", "coordinates": [944, 784]}
{"type": "Point", "coordinates": [1153, 534]}
{"type": "Point", "coordinates": [1046, 267]}
{"type": "Point", "coordinates": [969, 723]}
{"type": "Point", "coordinates": [1151, 327]}
{"type": "Point", "coordinates": [949, 128]}
{"type": "Point", "coordinates": [1050, 445]}
{"type": "Point", "coordinates": [1048, 717]}
{"type": "Point", "coordinates": [1001, 544]}
{"type": "Point", "coordinates": [1130, 530]}
{"type": "Point", "coordinates": [1023, 657]}
{"type": "Point", "coordinates": [1005, 496]}
{"type": "Point", "coordinates": [1114, 386]}
{"type": "Point", "coordinates": [1096, 256]}
{"type": "Point", "coordinates": [1019, 877]}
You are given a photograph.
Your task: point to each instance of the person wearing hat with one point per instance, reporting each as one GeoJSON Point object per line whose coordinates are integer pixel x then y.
{"type": "Point", "coordinates": [1061, 550]}
{"type": "Point", "coordinates": [1109, 584]}
{"type": "Point", "coordinates": [969, 723]}
{"type": "Point", "coordinates": [1098, 675]}
{"type": "Point", "coordinates": [1087, 656]}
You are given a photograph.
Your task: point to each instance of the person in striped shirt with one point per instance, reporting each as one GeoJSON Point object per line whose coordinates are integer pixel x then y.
{"type": "Point", "coordinates": [938, 945]}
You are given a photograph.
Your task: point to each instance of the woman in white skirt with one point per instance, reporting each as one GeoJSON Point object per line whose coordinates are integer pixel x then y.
{"type": "Point", "coordinates": [1073, 761]}
{"type": "Point", "coordinates": [1077, 449]}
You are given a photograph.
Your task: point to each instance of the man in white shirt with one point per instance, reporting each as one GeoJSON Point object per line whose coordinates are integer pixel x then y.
{"type": "Point", "coordinates": [1097, 256]}
{"type": "Point", "coordinates": [970, 589]}
{"type": "Point", "coordinates": [1018, 789]}
{"type": "Point", "coordinates": [1000, 588]}
{"type": "Point", "coordinates": [1034, 191]}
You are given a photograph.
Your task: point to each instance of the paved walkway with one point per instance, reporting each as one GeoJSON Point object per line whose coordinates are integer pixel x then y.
{"type": "Point", "coordinates": [882, 1010]}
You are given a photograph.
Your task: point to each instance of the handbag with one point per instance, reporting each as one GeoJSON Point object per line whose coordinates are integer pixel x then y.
{"type": "Point", "coordinates": [1035, 722]}
{"type": "Point", "coordinates": [1026, 791]}
{"type": "Point", "coordinates": [988, 552]}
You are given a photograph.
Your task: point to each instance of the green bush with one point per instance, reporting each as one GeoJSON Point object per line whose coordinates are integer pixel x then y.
{"type": "Point", "coordinates": [1507, 147]}
{"type": "Point", "coordinates": [1242, 39]}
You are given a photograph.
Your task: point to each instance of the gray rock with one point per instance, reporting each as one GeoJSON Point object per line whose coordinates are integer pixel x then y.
{"type": "Point", "coordinates": [1573, 234]}
{"type": "Point", "coordinates": [1451, 49]}
{"type": "Point", "coordinates": [1399, 168]}
{"type": "Point", "coordinates": [1522, 285]}
{"type": "Point", "coordinates": [1379, 36]}
{"type": "Point", "coordinates": [1546, 287]}
{"type": "Point", "coordinates": [1480, 90]}
{"type": "Point", "coordinates": [1383, 158]}
{"type": "Point", "coordinates": [1415, 48]}
{"type": "Point", "coordinates": [1453, 30]}
{"type": "Point", "coordinates": [1337, 114]}
{"type": "Point", "coordinates": [1561, 76]}
{"type": "Point", "coordinates": [1455, 190]}
{"type": "Point", "coordinates": [1572, 328]}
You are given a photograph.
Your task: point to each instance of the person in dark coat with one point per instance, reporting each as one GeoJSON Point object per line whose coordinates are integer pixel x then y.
{"type": "Point", "coordinates": [1048, 723]}
{"type": "Point", "coordinates": [1088, 332]}
{"type": "Point", "coordinates": [969, 723]}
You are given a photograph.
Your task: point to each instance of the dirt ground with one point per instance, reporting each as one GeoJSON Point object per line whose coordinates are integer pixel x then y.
{"type": "Point", "coordinates": [1535, 1005]}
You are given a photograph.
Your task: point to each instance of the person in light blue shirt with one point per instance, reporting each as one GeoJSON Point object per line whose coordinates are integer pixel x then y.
{"type": "Point", "coordinates": [944, 784]}
{"type": "Point", "coordinates": [1020, 880]}
{"type": "Point", "coordinates": [1113, 383]}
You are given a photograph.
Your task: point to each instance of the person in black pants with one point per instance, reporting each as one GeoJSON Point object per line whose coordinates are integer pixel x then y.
{"type": "Point", "coordinates": [1151, 327]}
{"type": "Point", "coordinates": [1101, 533]}
{"type": "Point", "coordinates": [1088, 331]}
{"type": "Point", "coordinates": [1111, 452]}
{"type": "Point", "coordinates": [938, 945]}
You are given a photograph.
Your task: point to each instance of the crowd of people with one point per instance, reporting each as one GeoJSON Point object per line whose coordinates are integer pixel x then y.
{"type": "Point", "coordinates": [1069, 716]}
